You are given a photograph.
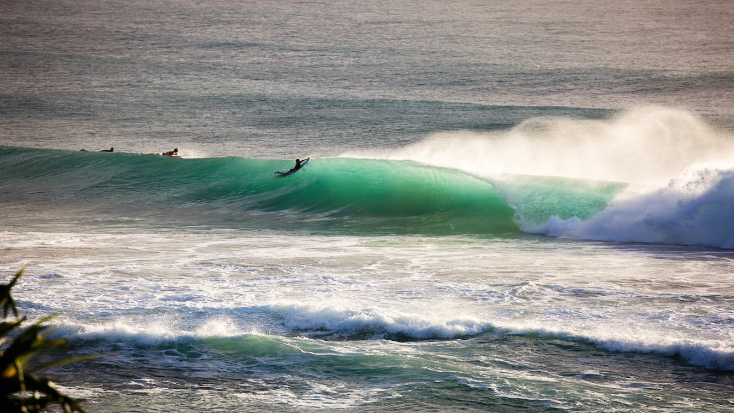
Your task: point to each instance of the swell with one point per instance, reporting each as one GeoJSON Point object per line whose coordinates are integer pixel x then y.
{"type": "Point", "coordinates": [330, 194]}
{"type": "Point", "coordinates": [361, 196]}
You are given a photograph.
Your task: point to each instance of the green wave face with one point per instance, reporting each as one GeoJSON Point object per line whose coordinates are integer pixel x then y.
{"type": "Point", "coordinates": [536, 199]}
{"type": "Point", "coordinates": [337, 194]}
{"type": "Point", "coordinates": [402, 195]}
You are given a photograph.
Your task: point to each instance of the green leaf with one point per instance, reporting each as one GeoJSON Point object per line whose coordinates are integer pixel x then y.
{"type": "Point", "coordinates": [6, 298]}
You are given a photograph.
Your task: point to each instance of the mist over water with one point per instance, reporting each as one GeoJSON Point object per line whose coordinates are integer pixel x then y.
{"type": "Point", "coordinates": [645, 145]}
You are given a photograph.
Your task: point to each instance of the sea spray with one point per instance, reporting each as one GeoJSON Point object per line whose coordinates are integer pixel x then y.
{"type": "Point", "coordinates": [649, 144]}
{"type": "Point", "coordinates": [682, 164]}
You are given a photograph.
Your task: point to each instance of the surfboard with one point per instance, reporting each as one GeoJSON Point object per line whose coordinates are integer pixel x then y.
{"type": "Point", "coordinates": [294, 170]}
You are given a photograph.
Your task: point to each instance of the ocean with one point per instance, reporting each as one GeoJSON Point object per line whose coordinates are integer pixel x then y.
{"type": "Point", "coordinates": [509, 206]}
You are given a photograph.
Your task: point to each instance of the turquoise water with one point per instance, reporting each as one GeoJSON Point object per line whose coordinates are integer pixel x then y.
{"type": "Point", "coordinates": [508, 207]}
{"type": "Point", "coordinates": [369, 196]}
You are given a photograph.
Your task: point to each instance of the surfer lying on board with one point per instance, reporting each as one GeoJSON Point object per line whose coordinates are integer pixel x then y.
{"type": "Point", "coordinates": [108, 150]}
{"type": "Point", "coordinates": [171, 153]}
{"type": "Point", "coordinates": [299, 164]}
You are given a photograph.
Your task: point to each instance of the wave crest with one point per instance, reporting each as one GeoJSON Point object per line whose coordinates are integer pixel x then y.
{"type": "Point", "coordinates": [694, 209]}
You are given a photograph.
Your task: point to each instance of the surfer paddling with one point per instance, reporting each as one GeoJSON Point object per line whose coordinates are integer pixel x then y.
{"type": "Point", "coordinates": [299, 165]}
{"type": "Point", "coordinates": [171, 153]}
{"type": "Point", "coordinates": [108, 150]}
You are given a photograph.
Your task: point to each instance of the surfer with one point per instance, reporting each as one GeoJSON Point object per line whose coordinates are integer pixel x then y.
{"type": "Point", "coordinates": [108, 150]}
{"type": "Point", "coordinates": [171, 153]}
{"type": "Point", "coordinates": [299, 164]}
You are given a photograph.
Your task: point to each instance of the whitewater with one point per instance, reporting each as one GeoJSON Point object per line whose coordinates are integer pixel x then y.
{"type": "Point", "coordinates": [507, 207]}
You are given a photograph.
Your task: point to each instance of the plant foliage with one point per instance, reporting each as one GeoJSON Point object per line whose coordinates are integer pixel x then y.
{"type": "Point", "coordinates": [20, 389]}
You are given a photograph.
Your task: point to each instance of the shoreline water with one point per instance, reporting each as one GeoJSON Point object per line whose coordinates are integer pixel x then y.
{"type": "Point", "coordinates": [225, 312]}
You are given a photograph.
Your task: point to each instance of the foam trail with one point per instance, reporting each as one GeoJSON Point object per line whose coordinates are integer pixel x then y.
{"type": "Point", "coordinates": [650, 144]}
{"type": "Point", "coordinates": [636, 338]}
{"type": "Point", "coordinates": [694, 209]}
{"type": "Point", "coordinates": [708, 353]}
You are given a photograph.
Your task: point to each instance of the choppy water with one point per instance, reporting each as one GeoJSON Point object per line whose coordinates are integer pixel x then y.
{"type": "Point", "coordinates": [508, 207]}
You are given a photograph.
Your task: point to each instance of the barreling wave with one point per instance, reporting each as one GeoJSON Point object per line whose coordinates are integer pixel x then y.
{"type": "Point", "coordinates": [551, 176]}
{"type": "Point", "coordinates": [696, 208]}
{"type": "Point", "coordinates": [372, 196]}
{"type": "Point", "coordinates": [328, 194]}
{"type": "Point", "coordinates": [668, 172]}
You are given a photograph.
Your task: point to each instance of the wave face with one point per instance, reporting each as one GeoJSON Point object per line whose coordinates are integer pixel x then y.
{"type": "Point", "coordinates": [651, 175]}
{"type": "Point", "coordinates": [366, 196]}
{"type": "Point", "coordinates": [329, 194]}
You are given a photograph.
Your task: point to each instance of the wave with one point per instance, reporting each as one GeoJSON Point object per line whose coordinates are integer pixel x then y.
{"type": "Point", "coordinates": [694, 209]}
{"type": "Point", "coordinates": [560, 177]}
{"type": "Point", "coordinates": [652, 174]}
{"type": "Point", "coordinates": [372, 323]}
{"type": "Point", "coordinates": [328, 323]}
{"type": "Point", "coordinates": [362, 195]}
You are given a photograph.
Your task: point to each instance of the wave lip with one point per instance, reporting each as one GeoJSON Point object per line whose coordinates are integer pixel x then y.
{"type": "Point", "coordinates": [694, 209]}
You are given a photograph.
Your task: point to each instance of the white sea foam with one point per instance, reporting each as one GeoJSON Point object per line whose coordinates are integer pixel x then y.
{"type": "Point", "coordinates": [151, 330]}
{"type": "Point", "coordinates": [647, 338]}
{"type": "Point", "coordinates": [379, 322]}
{"type": "Point", "coordinates": [376, 323]}
{"type": "Point", "coordinates": [696, 208]}
{"type": "Point", "coordinates": [212, 286]}
{"type": "Point", "coordinates": [320, 396]}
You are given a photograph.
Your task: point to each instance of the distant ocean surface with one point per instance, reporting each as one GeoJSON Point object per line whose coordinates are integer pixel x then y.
{"type": "Point", "coordinates": [509, 206]}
